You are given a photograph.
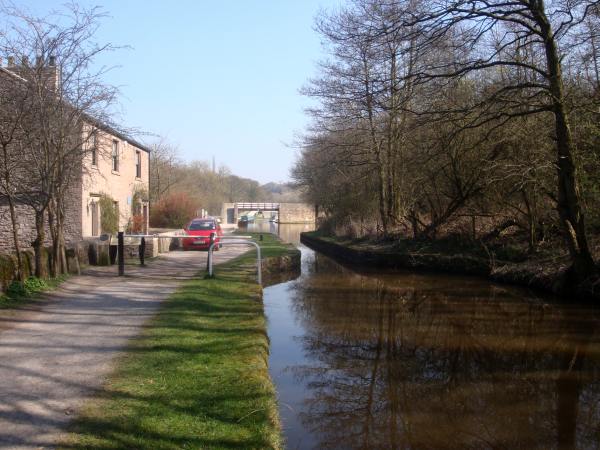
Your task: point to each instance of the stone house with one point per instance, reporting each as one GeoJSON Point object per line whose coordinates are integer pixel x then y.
{"type": "Point", "coordinates": [114, 167]}
{"type": "Point", "coordinates": [118, 167]}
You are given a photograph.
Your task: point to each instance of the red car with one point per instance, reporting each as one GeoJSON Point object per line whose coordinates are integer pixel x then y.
{"type": "Point", "coordinates": [201, 229]}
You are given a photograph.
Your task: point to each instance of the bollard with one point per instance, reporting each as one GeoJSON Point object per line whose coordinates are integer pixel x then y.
{"type": "Point", "coordinates": [121, 254]}
{"type": "Point", "coordinates": [142, 250]}
{"type": "Point", "coordinates": [260, 238]}
{"type": "Point", "coordinates": [209, 256]}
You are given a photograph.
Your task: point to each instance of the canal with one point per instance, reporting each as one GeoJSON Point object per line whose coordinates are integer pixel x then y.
{"type": "Point", "coordinates": [402, 360]}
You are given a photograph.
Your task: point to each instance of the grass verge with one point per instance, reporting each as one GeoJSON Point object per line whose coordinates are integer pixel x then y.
{"type": "Point", "coordinates": [198, 376]}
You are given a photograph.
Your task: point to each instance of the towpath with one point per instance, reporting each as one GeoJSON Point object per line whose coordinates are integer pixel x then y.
{"type": "Point", "coordinates": [56, 353]}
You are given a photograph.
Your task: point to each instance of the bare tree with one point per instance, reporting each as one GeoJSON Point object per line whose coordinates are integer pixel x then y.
{"type": "Point", "coordinates": [164, 161]}
{"type": "Point", "coordinates": [13, 108]}
{"type": "Point", "coordinates": [492, 30]}
{"type": "Point", "coordinates": [68, 101]}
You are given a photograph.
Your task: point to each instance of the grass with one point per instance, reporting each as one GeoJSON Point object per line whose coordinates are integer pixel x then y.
{"type": "Point", "coordinates": [198, 376]}
{"type": "Point", "coordinates": [21, 293]}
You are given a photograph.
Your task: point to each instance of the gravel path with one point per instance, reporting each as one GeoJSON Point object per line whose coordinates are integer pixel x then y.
{"type": "Point", "coordinates": [56, 353]}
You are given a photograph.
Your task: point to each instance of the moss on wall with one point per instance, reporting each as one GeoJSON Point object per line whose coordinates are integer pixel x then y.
{"type": "Point", "coordinates": [7, 270]}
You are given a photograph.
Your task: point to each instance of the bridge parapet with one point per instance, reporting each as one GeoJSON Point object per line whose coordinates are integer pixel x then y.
{"type": "Point", "coordinates": [286, 212]}
{"type": "Point", "coordinates": [245, 206]}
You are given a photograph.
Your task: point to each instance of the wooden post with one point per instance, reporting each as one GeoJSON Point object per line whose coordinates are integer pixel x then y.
{"type": "Point", "coordinates": [142, 250]}
{"type": "Point", "coordinates": [121, 253]}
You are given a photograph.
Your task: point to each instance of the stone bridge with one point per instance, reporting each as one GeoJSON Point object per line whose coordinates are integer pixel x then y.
{"type": "Point", "coordinates": [286, 212]}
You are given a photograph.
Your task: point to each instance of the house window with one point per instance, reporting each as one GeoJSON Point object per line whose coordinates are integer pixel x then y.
{"type": "Point", "coordinates": [138, 164]}
{"type": "Point", "coordinates": [115, 156]}
{"type": "Point", "coordinates": [94, 150]}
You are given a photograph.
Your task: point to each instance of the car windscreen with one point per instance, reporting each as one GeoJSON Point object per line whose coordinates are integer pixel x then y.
{"type": "Point", "coordinates": [202, 225]}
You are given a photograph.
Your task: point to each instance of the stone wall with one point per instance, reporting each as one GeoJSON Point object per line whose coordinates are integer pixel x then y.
{"type": "Point", "coordinates": [25, 227]}
{"type": "Point", "coordinates": [228, 215]}
{"type": "Point", "coordinates": [296, 213]}
{"type": "Point", "coordinates": [26, 222]}
{"type": "Point", "coordinates": [77, 258]}
{"type": "Point", "coordinates": [73, 217]}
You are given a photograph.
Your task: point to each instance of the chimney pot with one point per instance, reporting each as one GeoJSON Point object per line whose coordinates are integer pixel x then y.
{"type": "Point", "coordinates": [24, 61]}
{"type": "Point", "coordinates": [11, 61]}
{"type": "Point", "coordinates": [39, 61]}
{"type": "Point", "coordinates": [52, 61]}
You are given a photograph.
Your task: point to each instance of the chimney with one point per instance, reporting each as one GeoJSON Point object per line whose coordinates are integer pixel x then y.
{"type": "Point", "coordinates": [45, 71]}
{"type": "Point", "coordinates": [52, 75]}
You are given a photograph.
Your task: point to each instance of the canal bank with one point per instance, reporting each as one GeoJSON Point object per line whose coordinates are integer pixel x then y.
{"type": "Point", "coordinates": [548, 274]}
{"type": "Point", "coordinates": [197, 377]}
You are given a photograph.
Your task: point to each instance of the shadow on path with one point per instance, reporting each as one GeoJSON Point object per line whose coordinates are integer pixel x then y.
{"type": "Point", "coordinates": [56, 352]}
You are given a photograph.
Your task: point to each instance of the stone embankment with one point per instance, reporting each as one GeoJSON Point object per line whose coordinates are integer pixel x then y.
{"type": "Point", "coordinates": [279, 269]}
{"type": "Point", "coordinates": [547, 276]}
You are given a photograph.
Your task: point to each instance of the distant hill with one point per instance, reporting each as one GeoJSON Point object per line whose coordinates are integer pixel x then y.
{"type": "Point", "coordinates": [282, 192]}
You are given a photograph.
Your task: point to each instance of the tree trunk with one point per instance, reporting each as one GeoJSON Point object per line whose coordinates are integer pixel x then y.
{"type": "Point", "coordinates": [8, 188]}
{"type": "Point", "coordinates": [375, 146]}
{"type": "Point", "coordinates": [56, 221]}
{"type": "Point", "coordinates": [52, 226]}
{"type": "Point", "coordinates": [15, 233]}
{"type": "Point", "coordinates": [62, 255]}
{"type": "Point", "coordinates": [569, 199]}
{"type": "Point", "coordinates": [382, 210]}
{"type": "Point", "coordinates": [38, 245]}
{"type": "Point", "coordinates": [531, 222]}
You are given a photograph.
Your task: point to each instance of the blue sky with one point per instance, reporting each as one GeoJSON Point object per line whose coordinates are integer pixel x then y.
{"type": "Point", "coordinates": [214, 77]}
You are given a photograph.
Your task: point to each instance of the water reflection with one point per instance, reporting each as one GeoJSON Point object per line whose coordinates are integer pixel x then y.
{"type": "Point", "coordinates": [394, 361]}
{"type": "Point", "coordinates": [288, 232]}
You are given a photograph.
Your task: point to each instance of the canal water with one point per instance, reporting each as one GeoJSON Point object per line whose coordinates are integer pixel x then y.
{"type": "Point", "coordinates": [398, 360]}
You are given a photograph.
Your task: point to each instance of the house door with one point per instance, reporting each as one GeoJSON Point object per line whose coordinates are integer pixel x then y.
{"type": "Point", "coordinates": [94, 207]}
{"type": "Point", "coordinates": [145, 215]}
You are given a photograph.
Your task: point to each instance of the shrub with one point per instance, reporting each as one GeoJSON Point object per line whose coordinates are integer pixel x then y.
{"type": "Point", "coordinates": [109, 215]}
{"type": "Point", "coordinates": [173, 210]}
{"type": "Point", "coordinates": [136, 224]}
{"type": "Point", "coordinates": [28, 287]}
